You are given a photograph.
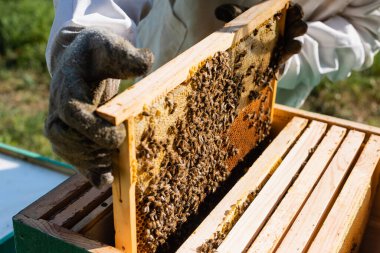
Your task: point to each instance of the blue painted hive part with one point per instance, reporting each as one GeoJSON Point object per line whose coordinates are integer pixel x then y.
{"type": "Point", "coordinates": [22, 181]}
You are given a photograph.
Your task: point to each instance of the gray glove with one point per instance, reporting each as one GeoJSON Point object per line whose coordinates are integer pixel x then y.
{"type": "Point", "coordinates": [80, 83]}
{"type": "Point", "coordinates": [294, 26]}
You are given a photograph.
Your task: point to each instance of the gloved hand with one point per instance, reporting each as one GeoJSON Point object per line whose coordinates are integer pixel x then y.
{"type": "Point", "coordinates": [80, 83]}
{"type": "Point", "coordinates": [294, 26]}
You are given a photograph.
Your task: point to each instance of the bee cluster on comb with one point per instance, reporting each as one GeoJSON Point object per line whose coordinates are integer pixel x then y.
{"type": "Point", "coordinates": [188, 141]}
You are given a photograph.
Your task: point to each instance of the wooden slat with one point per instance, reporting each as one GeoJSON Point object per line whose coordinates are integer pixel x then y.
{"type": "Point", "coordinates": [101, 229]}
{"type": "Point", "coordinates": [65, 235]}
{"type": "Point", "coordinates": [130, 103]}
{"type": "Point", "coordinates": [371, 239]}
{"type": "Point", "coordinates": [310, 218]}
{"type": "Point", "coordinates": [123, 191]}
{"type": "Point", "coordinates": [282, 115]}
{"type": "Point", "coordinates": [255, 177]}
{"type": "Point", "coordinates": [275, 84]}
{"type": "Point", "coordinates": [78, 209]}
{"type": "Point", "coordinates": [343, 227]}
{"type": "Point", "coordinates": [94, 215]}
{"type": "Point", "coordinates": [249, 225]}
{"type": "Point", "coordinates": [98, 224]}
{"type": "Point", "coordinates": [285, 213]}
{"type": "Point", "coordinates": [58, 198]}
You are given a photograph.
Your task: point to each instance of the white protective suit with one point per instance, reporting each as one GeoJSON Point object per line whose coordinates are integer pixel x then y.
{"type": "Point", "coordinates": [343, 35]}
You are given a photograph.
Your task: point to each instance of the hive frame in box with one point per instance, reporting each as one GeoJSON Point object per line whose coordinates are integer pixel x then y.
{"type": "Point", "coordinates": [133, 103]}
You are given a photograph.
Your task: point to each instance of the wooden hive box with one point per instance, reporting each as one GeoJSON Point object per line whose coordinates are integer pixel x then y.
{"type": "Point", "coordinates": [76, 217]}
{"type": "Point", "coordinates": [342, 217]}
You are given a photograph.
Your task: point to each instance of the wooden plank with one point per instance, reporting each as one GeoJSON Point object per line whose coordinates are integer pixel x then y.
{"type": "Point", "coordinates": [343, 227]}
{"type": "Point", "coordinates": [309, 220]}
{"type": "Point", "coordinates": [79, 208]}
{"type": "Point", "coordinates": [72, 240]}
{"type": "Point", "coordinates": [371, 238]}
{"type": "Point", "coordinates": [282, 115]}
{"type": "Point", "coordinates": [93, 216]}
{"type": "Point", "coordinates": [57, 198]}
{"type": "Point", "coordinates": [249, 225]}
{"type": "Point", "coordinates": [166, 78]}
{"type": "Point", "coordinates": [284, 215]}
{"type": "Point", "coordinates": [102, 229]}
{"type": "Point", "coordinates": [375, 212]}
{"type": "Point", "coordinates": [274, 94]}
{"type": "Point", "coordinates": [123, 192]}
{"type": "Point", "coordinates": [253, 180]}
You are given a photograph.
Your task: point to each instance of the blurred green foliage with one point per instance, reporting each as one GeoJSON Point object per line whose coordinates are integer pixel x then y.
{"type": "Point", "coordinates": [356, 98]}
{"type": "Point", "coordinates": [24, 30]}
{"type": "Point", "coordinates": [23, 109]}
{"type": "Point", "coordinates": [24, 80]}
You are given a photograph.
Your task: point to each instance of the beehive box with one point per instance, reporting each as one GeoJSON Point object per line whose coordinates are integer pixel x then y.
{"type": "Point", "coordinates": [309, 191]}
{"type": "Point", "coordinates": [190, 123]}
{"type": "Point", "coordinates": [319, 174]}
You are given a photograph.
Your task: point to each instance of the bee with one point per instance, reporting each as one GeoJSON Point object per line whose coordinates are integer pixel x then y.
{"type": "Point", "coordinates": [172, 108]}
{"type": "Point", "coordinates": [277, 16]}
{"type": "Point", "coordinates": [237, 65]}
{"type": "Point", "coordinates": [253, 95]}
{"type": "Point", "coordinates": [146, 113]}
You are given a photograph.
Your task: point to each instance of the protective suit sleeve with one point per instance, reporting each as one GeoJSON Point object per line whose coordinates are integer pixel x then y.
{"type": "Point", "coordinates": [333, 48]}
{"type": "Point", "coordinates": [71, 16]}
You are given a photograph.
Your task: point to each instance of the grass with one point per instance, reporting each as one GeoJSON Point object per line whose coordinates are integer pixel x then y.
{"type": "Point", "coordinates": [23, 109]}
{"type": "Point", "coordinates": [24, 30]}
{"type": "Point", "coordinates": [24, 81]}
{"type": "Point", "coordinates": [356, 98]}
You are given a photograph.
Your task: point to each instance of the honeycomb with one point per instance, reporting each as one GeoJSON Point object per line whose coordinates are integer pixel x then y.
{"type": "Point", "coordinates": [188, 141]}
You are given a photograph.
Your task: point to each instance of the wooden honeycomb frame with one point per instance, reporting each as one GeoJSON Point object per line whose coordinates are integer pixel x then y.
{"type": "Point", "coordinates": [247, 46]}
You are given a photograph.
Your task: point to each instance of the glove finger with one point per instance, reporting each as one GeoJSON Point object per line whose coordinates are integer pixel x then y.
{"type": "Point", "coordinates": [68, 138]}
{"type": "Point", "coordinates": [95, 166]}
{"type": "Point", "coordinates": [228, 12]}
{"type": "Point", "coordinates": [99, 180]}
{"type": "Point", "coordinates": [102, 54]}
{"type": "Point", "coordinates": [82, 118]}
{"type": "Point", "coordinates": [111, 89]}
{"type": "Point", "coordinates": [74, 102]}
{"type": "Point", "coordinates": [100, 159]}
{"type": "Point", "coordinates": [99, 175]}
{"type": "Point", "coordinates": [293, 14]}
{"type": "Point", "coordinates": [292, 47]}
{"type": "Point", "coordinates": [298, 28]}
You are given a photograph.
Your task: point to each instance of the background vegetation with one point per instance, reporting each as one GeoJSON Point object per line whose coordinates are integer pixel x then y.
{"type": "Point", "coordinates": [24, 81]}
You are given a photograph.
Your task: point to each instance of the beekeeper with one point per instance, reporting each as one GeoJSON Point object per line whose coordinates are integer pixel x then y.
{"type": "Point", "coordinates": [93, 43]}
